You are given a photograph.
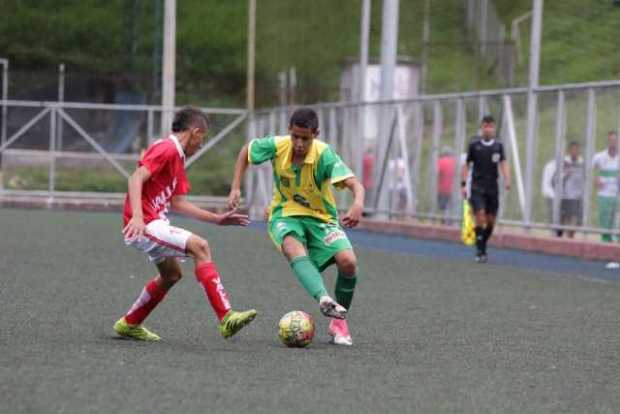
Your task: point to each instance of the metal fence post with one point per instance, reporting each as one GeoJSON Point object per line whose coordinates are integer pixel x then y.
{"type": "Point", "coordinates": [590, 138]}
{"type": "Point", "coordinates": [511, 132]}
{"type": "Point", "coordinates": [52, 168]}
{"type": "Point", "coordinates": [418, 133]}
{"type": "Point", "coordinates": [272, 124]}
{"type": "Point", "coordinates": [530, 156]}
{"type": "Point", "coordinates": [482, 107]}
{"type": "Point", "coordinates": [333, 127]}
{"type": "Point", "coordinates": [61, 99]}
{"type": "Point", "coordinates": [460, 125]}
{"type": "Point", "coordinates": [432, 168]}
{"type": "Point", "coordinates": [560, 130]}
{"type": "Point", "coordinates": [5, 92]}
{"type": "Point", "coordinates": [149, 127]}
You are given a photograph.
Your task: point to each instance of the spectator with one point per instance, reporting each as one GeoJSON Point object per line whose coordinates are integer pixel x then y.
{"type": "Point", "coordinates": [571, 206]}
{"type": "Point", "coordinates": [605, 166]}
{"type": "Point", "coordinates": [368, 167]}
{"type": "Point", "coordinates": [368, 170]}
{"type": "Point", "coordinates": [446, 167]}
{"type": "Point", "coordinates": [396, 178]}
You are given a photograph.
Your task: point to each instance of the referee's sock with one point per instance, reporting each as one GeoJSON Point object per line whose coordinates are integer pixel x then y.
{"type": "Point", "coordinates": [487, 233]}
{"type": "Point", "coordinates": [480, 242]}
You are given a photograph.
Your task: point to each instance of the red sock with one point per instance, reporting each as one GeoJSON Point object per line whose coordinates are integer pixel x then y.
{"type": "Point", "coordinates": [209, 278]}
{"type": "Point", "coordinates": [150, 296]}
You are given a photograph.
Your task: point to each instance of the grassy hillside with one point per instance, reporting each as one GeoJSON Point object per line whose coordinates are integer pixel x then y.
{"type": "Point", "coordinates": [314, 36]}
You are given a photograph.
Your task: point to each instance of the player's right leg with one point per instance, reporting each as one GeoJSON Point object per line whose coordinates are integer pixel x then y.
{"type": "Point", "coordinates": [207, 275]}
{"type": "Point", "coordinates": [152, 294]}
{"type": "Point", "coordinates": [288, 235]}
{"type": "Point", "coordinates": [310, 278]}
{"type": "Point", "coordinates": [477, 201]}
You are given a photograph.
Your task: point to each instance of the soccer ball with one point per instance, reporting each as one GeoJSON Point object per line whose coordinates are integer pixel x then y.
{"type": "Point", "coordinates": [296, 329]}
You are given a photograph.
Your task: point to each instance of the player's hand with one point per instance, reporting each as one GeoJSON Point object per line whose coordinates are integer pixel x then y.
{"type": "Point", "coordinates": [507, 185]}
{"type": "Point", "coordinates": [232, 218]}
{"type": "Point", "coordinates": [134, 228]}
{"type": "Point", "coordinates": [353, 216]}
{"type": "Point", "coordinates": [234, 198]}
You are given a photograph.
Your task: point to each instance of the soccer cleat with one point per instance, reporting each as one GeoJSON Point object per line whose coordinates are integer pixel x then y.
{"type": "Point", "coordinates": [137, 332]}
{"type": "Point", "coordinates": [234, 321]}
{"type": "Point", "coordinates": [481, 257]}
{"type": "Point", "coordinates": [331, 308]}
{"type": "Point", "coordinates": [339, 331]}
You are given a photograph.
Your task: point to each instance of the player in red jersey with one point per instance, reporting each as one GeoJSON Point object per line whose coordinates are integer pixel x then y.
{"type": "Point", "coordinates": [160, 182]}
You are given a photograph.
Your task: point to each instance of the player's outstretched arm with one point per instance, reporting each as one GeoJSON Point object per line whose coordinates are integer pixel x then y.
{"type": "Point", "coordinates": [182, 205]}
{"type": "Point", "coordinates": [353, 216]}
{"type": "Point", "coordinates": [241, 165]}
{"type": "Point", "coordinates": [135, 226]}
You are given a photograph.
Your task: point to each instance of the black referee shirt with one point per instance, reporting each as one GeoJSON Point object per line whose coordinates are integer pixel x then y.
{"type": "Point", "coordinates": [485, 157]}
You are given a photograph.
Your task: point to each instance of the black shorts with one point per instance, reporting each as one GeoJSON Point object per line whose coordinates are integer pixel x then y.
{"type": "Point", "coordinates": [484, 200]}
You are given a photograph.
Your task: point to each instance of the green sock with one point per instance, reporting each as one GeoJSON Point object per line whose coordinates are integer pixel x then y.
{"type": "Point", "coordinates": [345, 286]}
{"type": "Point", "coordinates": [309, 276]}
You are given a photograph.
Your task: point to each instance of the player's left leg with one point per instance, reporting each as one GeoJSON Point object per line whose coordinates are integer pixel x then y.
{"type": "Point", "coordinates": [492, 205]}
{"type": "Point", "coordinates": [346, 280]}
{"type": "Point", "coordinates": [327, 244]}
{"type": "Point", "coordinates": [346, 262]}
{"type": "Point", "coordinates": [208, 276]}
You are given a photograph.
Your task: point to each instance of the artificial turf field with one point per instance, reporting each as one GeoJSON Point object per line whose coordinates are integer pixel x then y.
{"type": "Point", "coordinates": [433, 331]}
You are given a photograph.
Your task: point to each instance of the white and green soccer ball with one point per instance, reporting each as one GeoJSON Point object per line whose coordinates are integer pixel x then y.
{"type": "Point", "coordinates": [296, 329]}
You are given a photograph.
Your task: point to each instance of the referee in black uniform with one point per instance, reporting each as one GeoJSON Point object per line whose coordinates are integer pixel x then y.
{"type": "Point", "coordinates": [486, 156]}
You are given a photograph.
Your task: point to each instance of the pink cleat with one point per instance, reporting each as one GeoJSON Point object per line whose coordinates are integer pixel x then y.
{"type": "Point", "coordinates": [339, 331]}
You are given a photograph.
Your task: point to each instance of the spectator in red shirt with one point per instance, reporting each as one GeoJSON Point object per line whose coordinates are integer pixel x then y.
{"type": "Point", "coordinates": [446, 168]}
{"type": "Point", "coordinates": [368, 170]}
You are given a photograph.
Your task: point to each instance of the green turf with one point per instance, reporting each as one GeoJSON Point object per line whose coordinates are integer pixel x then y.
{"type": "Point", "coordinates": [430, 336]}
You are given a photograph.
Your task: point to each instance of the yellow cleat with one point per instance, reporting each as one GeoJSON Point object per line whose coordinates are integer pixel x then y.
{"type": "Point", "coordinates": [137, 332]}
{"type": "Point", "coordinates": [234, 321]}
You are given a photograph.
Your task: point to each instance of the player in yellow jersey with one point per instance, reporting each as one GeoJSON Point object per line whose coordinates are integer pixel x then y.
{"type": "Point", "coordinates": [303, 219]}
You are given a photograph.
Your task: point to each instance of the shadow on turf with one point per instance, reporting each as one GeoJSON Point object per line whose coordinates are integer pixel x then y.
{"type": "Point", "coordinates": [233, 345]}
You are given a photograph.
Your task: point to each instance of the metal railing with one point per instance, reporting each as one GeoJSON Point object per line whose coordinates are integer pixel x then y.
{"type": "Point", "coordinates": [89, 143]}
{"type": "Point", "coordinates": [402, 182]}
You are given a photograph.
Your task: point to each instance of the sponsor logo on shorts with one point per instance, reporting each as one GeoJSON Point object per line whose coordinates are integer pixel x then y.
{"type": "Point", "coordinates": [333, 237]}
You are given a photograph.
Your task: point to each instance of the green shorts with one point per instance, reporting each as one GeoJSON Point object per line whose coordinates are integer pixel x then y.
{"type": "Point", "coordinates": [322, 240]}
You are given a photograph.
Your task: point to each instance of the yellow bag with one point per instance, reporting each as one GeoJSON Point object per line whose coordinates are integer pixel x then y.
{"type": "Point", "coordinates": [468, 234]}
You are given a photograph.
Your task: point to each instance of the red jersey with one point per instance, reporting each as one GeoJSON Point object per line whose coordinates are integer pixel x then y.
{"type": "Point", "coordinates": [446, 167]}
{"type": "Point", "coordinates": [166, 162]}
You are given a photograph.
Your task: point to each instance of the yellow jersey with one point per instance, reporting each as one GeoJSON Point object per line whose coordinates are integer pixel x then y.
{"type": "Point", "coordinates": [301, 190]}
